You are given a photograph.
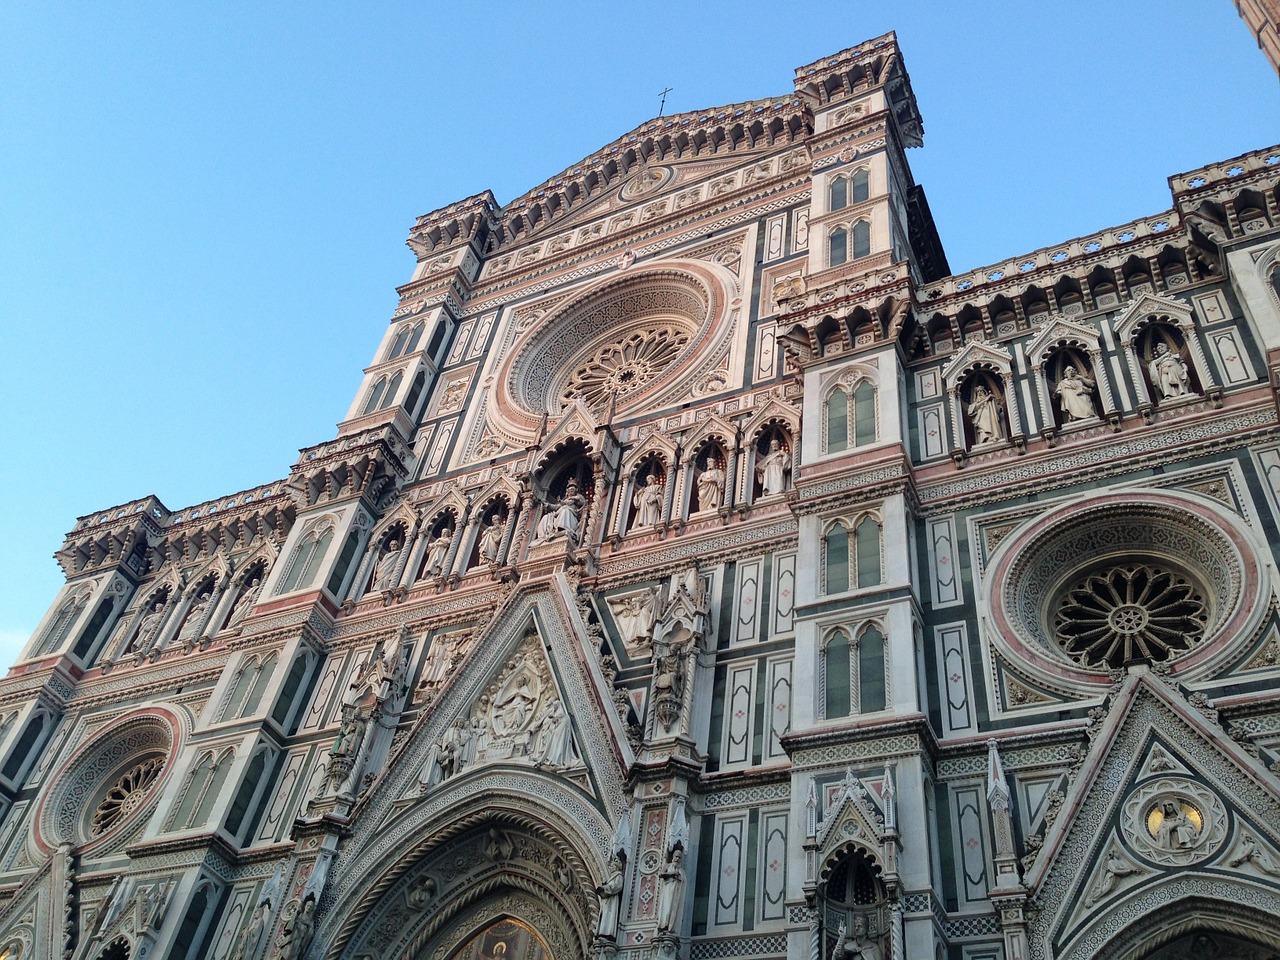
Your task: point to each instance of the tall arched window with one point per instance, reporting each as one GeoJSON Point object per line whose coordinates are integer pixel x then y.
{"type": "Point", "coordinates": [861, 239]}
{"type": "Point", "coordinates": [838, 194]}
{"type": "Point", "coordinates": [864, 414]}
{"type": "Point", "coordinates": [393, 387]}
{"type": "Point", "coordinates": [415, 391]}
{"type": "Point", "coordinates": [837, 421]}
{"type": "Point", "coordinates": [867, 546]}
{"type": "Point", "coordinates": [375, 395]}
{"type": "Point", "coordinates": [871, 685]}
{"type": "Point", "coordinates": [860, 187]}
{"type": "Point", "coordinates": [837, 695]}
{"type": "Point", "coordinates": [406, 340]}
{"type": "Point", "coordinates": [307, 560]}
{"type": "Point", "coordinates": [259, 686]}
{"type": "Point", "coordinates": [837, 247]}
{"type": "Point", "coordinates": [836, 545]}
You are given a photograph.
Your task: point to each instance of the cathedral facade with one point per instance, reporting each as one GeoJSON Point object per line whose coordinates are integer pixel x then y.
{"type": "Point", "coordinates": [703, 570]}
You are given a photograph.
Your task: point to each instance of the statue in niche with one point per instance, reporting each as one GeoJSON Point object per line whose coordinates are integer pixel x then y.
{"type": "Point", "coordinates": [648, 502]}
{"type": "Point", "coordinates": [552, 738]}
{"type": "Point", "coordinates": [190, 631]}
{"type": "Point", "coordinates": [437, 551]}
{"type": "Point", "coordinates": [1075, 396]}
{"type": "Point", "coordinates": [563, 519]}
{"type": "Point", "coordinates": [1169, 373]}
{"type": "Point", "coordinates": [249, 943]}
{"type": "Point", "coordinates": [855, 943]}
{"type": "Point", "coordinates": [670, 897]}
{"type": "Point", "coordinates": [711, 485]}
{"type": "Point", "coordinates": [610, 894]}
{"type": "Point", "coordinates": [1114, 869]}
{"type": "Point", "coordinates": [246, 603]}
{"type": "Point", "coordinates": [773, 468]}
{"type": "Point", "coordinates": [450, 751]}
{"type": "Point", "coordinates": [148, 627]}
{"type": "Point", "coordinates": [491, 539]}
{"type": "Point", "coordinates": [298, 929]}
{"type": "Point", "coordinates": [636, 615]}
{"type": "Point", "coordinates": [1176, 831]}
{"type": "Point", "coordinates": [350, 733]}
{"type": "Point", "coordinates": [984, 415]}
{"type": "Point", "coordinates": [384, 574]}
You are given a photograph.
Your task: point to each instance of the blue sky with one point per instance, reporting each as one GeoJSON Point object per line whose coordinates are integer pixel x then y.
{"type": "Point", "coordinates": [203, 206]}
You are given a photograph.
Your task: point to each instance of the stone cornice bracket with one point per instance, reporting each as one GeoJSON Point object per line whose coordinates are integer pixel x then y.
{"type": "Point", "coordinates": [362, 464]}
{"type": "Point", "coordinates": [852, 72]}
{"type": "Point", "coordinates": [462, 222]}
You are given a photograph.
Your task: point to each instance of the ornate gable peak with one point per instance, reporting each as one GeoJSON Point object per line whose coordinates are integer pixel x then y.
{"type": "Point", "coordinates": [977, 353]}
{"type": "Point", "coordinates": [576, 423]}
{"type": "Point", "coordinates": [1140, 687]}
{"type": "Point", "coordinates": [775, 409]}
{"type": "Point", "coordinates": [852, 804]}
{"type": "Point", "coordinates": [401, 512]}
{"type": "Point", "coordinates": [1150, 305]}
{"type": "Point", "coordinates": [1058, 329]}
{"type": "Point", "coordinates": [655, 443]}
{"type": "Point", "coordinates": [453, 500]}
{"type": "Point", "coordinates": [695, 134]}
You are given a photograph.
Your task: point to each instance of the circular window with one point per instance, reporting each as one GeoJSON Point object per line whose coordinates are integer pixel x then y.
{"type": "Point", "coordinates": [1128, 612]}
{"type": "Point", "coordinates": [1136, 577]}
{"type": "Point", "coordinates": [111, 779]}
{"type": "Point", "coordinates": [622, 343]}
{"type": "Point", "coordinates": [125, 796]}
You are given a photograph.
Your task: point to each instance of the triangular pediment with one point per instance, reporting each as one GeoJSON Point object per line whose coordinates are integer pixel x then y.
{"type": "Point", "coordinates": [1150, 306]}
{"type": "Point", "coordinates": [852, 817]}
{"type": "Point", "coordinates": [976, 353]}
{"type": "Point", "coordinates": [1060, 331]}
{"type": "Point", "coordinates": [1164, 804]}
{"type": "Point", "coordinates": [576, 423]}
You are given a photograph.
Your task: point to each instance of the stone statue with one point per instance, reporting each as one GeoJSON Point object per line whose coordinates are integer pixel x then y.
{"type": "Point", "coordinates": [671, 895]}
{"type": "Point", "coordinates": [984, 415]}
{"type": "Point", "coordinates": [1175, 831]}
{"type": "Point", "coordinates": [711, 485]}
{"type": "Point", "coordinates": [437, 550]}
{"type": "Point", "coordinates": [1074, 395]}
{"type": "Point", "coordinates": [1113, 869]}
{"type": "Point", "coordinates": [422, 892]}
{"type": "Point", "coordinates": [1169, 373]}
{"type": "Point", "coordinates": [648, 503]}
{"type": "Point", "coordinates": [564, 518]}
{"type": "Point", "coordinates": [298, 930]}
{"type": "Point", "coordinates": [148, 627]}
{"type": "Point", "coordinates": [195, 616]}
{"type": "Point", "coordinates": [1249, 853]}
{"type": "Point", "coordinates": [773, 469]}
{"type": "Point", "coordinates": [610, 894]}
{"type": "Point", "coordinates": [350, 734]}
{"type": "Point", "coordinates": [246, 603]}
{"type": "Point", "coordinates": [855, 944]}
{"type": "Point", "coordinates": [384, 574]}
{"type": "Point", "coordinates": [636, 615]}
{"type": "Point", "coordinates": [513, 708]}
{"type": "Point", "coordinates": [450, 750]}
{"type": "Point", "coordinates": [249, 944]}
{"type": "Point", "coordinates": [491, 539]}
{"type": "Point", "coordinates": [552, 738]}
{"type": "Point", "coordinates": [498, 846]}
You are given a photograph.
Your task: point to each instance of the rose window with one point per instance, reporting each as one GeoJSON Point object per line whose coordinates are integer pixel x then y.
{"type": "Point", "coordinates": [618, 369]}
{"type": "Point", "coordinates": [126, 795]}
{"type": "Point", "coordinates": [1130, 612]}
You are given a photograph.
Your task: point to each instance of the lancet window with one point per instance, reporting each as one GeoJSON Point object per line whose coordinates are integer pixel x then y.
{"type": "Point", "coordinates": [853, 672]}
{"type": "Point", "coordinates": [851, 555]}
{"type": "Point", "coordinates": [307, 559]}
{"type": "Point", "coordinates": [850, 417]}
{"type": "Point", "coordinates": [406, 340]}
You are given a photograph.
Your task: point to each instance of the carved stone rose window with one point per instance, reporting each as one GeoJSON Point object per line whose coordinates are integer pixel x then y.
{"type": "Point", "coordinates": [1132, 577]}
{"type": "Point", "coordinates": [641, 339]}
{"type": "Point", "coordinates": [623, 367]}
{"type": "Point", "coordinates": [1130, 612]}
{"type": "Point", "coordinates": [109, 784]}
{"type": "Point", "coordinates": [126, 795]}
